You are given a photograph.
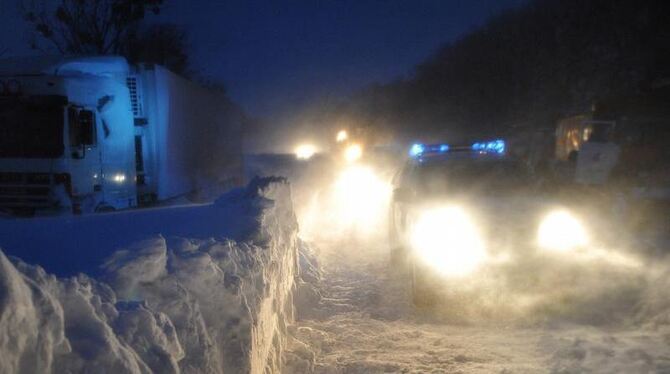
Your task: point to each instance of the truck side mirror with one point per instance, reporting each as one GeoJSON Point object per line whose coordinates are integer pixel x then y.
{"type": "Point", "coordinates": [82, 131]}
{"type": "Point", "coordinates": [86, 127]}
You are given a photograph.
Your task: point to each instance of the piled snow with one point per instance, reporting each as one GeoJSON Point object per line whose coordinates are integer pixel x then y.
{"type": "Point", "coordinates": [194, 305]}
{"type": "Point", "coordinates": [31, 323]}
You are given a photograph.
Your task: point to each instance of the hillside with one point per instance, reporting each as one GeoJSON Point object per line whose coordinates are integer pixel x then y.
{"type": "Point", "coordinates": [528, 66]}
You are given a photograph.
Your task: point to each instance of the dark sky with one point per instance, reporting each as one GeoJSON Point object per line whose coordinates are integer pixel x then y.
{"type": "Point", "coordinates": [277, 55]}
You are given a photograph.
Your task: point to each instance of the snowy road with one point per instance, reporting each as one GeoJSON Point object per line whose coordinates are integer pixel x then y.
{"type": "Point", "coordinates": [364, 323]}
{"type": "Point", "coordinates": [603, 311]}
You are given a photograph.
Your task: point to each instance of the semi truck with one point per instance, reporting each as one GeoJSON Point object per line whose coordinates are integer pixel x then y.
{"type": "Point", "coordinates": [93, 134]}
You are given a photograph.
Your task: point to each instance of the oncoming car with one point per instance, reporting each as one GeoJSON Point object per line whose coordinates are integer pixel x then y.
{"type": "Point", "coordinates": [455, 209]}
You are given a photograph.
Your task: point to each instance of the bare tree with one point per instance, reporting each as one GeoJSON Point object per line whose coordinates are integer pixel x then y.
{"type": "Point", "coordinates": [103, 27]}
{"type": "Point", "coordinates": [87, 26]}
{"type": "Point", "coordinates": [162, 44]}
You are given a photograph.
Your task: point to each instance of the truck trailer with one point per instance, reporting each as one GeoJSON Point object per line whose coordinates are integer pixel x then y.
{"type": "Point", "coordinates": [94, 134]}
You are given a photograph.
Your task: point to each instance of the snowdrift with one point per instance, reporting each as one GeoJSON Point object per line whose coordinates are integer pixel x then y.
{"type": "Point", "coordinates": [168, 303]}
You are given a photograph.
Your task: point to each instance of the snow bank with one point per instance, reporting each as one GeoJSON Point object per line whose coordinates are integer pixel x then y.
{"type": "Point", "coordinates": [84, 242]}
{"type": "Point", "coordinates": [165, 304]}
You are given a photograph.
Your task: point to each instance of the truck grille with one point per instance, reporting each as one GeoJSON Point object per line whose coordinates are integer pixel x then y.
{"type": "Point", "coordinates": [26, 190]}
{"type": "Point", "coordinates": [136, 98]}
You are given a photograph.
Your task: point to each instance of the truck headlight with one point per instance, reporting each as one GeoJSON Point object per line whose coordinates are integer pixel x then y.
{"type": "Point", "coordinates": [119, 178]}
{"type": "Point", "coordinates": [448, 240]}
{"type": "Point", "coordinates": [561, 231]}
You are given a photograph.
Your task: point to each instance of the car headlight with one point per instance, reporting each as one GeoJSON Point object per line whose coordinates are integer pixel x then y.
{"type": "Point", "coordinates": [341, 136]}
{"type": "Point", "coordinates": [561, 231]}
{"type": "Point", "coordinates": [447, 240]}
{"type": "Point", "coordinates": [353, 152]}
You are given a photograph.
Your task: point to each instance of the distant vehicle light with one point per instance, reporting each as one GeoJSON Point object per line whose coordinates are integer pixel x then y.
{"type": "Point", "coordinates": [305, 151]}
{"type": "Point", "coordinates": [560, 231]}
{"type": "Point", "coordinates": [353, 153]}
{"type": "Point", "coordinates": [119, 178]}
{"type": "Point", "coordinates": [341, 136]}
{"type": "Point", "coordinates": [416, 150]}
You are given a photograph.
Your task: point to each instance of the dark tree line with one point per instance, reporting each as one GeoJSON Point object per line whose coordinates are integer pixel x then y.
{"type": "Point", "coordinates": [528, 66]}
{"type": "Point", "coordinates": [107, 27]}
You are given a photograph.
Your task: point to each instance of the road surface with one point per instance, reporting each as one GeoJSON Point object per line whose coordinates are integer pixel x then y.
{"type": "Point", "coordinates": [364, 323]}
{"type": "Point", "coordinates": [606, 310]}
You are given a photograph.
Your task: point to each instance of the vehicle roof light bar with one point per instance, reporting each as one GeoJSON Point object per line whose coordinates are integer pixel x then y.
{"type": "Point", "coordinates": [496, 146]}
{"type": "Point", "coordinates": [493, 146]}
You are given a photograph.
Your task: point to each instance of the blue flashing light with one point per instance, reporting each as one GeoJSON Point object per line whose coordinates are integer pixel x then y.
{"type": "Point", "coordinates": [494, 146]}
{"type": "Point", "coordinates": [416, 150]}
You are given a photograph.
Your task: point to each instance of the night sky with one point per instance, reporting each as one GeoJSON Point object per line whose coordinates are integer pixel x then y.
{"type": "Point", "coordinates": [274, 56]}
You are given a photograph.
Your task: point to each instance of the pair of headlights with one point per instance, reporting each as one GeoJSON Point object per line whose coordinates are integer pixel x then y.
{"type": "Point", "coordinates": [449, 240]}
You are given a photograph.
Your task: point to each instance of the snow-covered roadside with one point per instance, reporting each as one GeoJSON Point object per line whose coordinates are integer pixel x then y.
{"type": "Point", "coordinates": [164, 304]}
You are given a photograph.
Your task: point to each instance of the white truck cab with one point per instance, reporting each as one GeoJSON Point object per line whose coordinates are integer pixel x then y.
{"type": "Point", "coordinates": [94, 134]}
{"type": "Point", "coordinates": [67, 139]}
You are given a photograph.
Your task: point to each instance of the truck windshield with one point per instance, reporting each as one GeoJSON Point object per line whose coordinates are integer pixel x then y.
{"type": "Point", "coordinates": [31, 128]}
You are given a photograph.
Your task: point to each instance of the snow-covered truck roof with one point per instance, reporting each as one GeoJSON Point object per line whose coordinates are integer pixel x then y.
{"type": "Point", "coordinates": [64, 66]}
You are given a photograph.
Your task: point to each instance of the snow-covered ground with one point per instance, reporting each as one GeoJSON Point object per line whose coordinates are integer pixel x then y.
{"type": "Point", "coordinates": [363, 322]}
{"type": "Point", "coordinates": [190, 300]}
{"type": "Point", "coordinates": [605, 310]}
{"type": "Point", "coordinates": [213, 288]}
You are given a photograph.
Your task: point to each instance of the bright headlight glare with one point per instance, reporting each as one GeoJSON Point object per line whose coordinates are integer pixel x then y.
{"type": "Point", "coordinates": [119, 178]}
{"type": "Point", "coordinates": [341, 136]}
{"type": "Point", "coordinates": [305, 151]}
{"type": "Point", "coordinates": [561, 231]}
{"type": "Point", "coordinates": [448, 240]}
{"type": "Point", "coordinates": [360, 197]}
{"type": "Point", "coordinates": [353, 152]}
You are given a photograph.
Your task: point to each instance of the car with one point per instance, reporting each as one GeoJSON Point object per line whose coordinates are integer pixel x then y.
{"type": "Point", "coordinates": [456, 207]}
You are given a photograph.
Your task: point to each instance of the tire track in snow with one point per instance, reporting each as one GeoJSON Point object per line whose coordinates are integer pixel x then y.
{"type": "Point", "coordinates": [365, 323]}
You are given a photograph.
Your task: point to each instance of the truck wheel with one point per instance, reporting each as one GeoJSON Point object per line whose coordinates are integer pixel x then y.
{"type": "Point", "coordinates": [423, 296]}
